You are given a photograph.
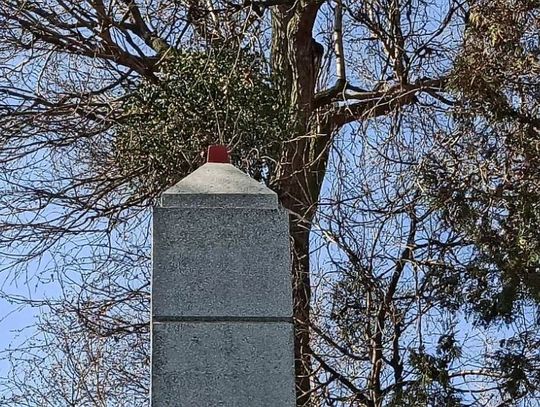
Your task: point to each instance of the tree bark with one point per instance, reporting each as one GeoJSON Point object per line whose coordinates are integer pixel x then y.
{"type": "Point", "coordinates": [299, 187]}
{"type": "Point", "coordinates": [299, 184]}
{"type": "Point", "coordinates": [300, 173]}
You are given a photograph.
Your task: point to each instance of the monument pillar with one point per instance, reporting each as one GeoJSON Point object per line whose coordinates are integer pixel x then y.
{"type": "Point", "coordinates": [222, 332]}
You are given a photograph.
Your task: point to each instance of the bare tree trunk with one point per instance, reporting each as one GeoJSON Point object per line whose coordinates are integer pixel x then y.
{"type": "Point", "coordinates": [299, 185]}
{"type": "Point", "coordinates": [291, 187]}
{"type": "Point", "coordinates": [295, 74]}
{"type": "Point", "coordinates": [301, 215]}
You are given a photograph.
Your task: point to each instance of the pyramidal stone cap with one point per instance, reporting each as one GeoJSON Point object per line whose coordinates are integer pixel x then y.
{"type": "Point", "coordinates": [219, 185]}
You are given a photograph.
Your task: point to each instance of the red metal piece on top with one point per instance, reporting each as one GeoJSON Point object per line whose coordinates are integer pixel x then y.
{"type": "Point", "coordinates": [218, 154]}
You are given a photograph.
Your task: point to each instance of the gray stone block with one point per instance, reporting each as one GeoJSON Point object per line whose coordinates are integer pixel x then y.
{"type": "Point", "coordinates": [218, 186]}
{"type": "Point", "coordinates": [221, 294]}
{"type": "Point", "coordinates": [221, 262]}
{"type": "Point", "coordinates": [241, 364]}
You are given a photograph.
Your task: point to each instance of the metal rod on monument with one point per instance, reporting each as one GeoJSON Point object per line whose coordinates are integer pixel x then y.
{"type": "Point", "coordinates": [222, 332]}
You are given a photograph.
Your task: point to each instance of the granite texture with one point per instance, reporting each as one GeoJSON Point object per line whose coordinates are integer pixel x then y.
{"type": "Point", "coordinates": [222, 364]}
{"type": "Point", "coordinates": [222, 332]}
{"type": "Point", "coordinates": [221, 262]}
{"type": "Point", "coordinates": [218, 186]}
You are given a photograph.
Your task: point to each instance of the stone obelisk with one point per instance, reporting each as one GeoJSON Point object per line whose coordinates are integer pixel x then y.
{"type": "Point", "coordinates": [222, 332]}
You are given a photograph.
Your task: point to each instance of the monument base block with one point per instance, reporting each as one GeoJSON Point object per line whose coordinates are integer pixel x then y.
{"type": "Point", "coordinates": [229, 364]}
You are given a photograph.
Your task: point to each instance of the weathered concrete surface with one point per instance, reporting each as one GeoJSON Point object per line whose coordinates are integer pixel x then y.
{"type": "Point", "coordinates": [233, 364]}
{"type": "Point", "coordinates": [221, 262]}
{"type": "Point", "coordinates": [222, 332]}
{"type": "Point", "coordinates": [218, 186]}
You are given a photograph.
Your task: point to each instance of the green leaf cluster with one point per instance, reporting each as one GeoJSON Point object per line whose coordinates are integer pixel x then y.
{"type": "Point", "coordinates": [518, 359]}
{"type": "Point", "coordinates": [202, 98]}
{"type": "Point", "coordinates": [432, 386]}
{"type": "Point", "coordinates": [484, 176]}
